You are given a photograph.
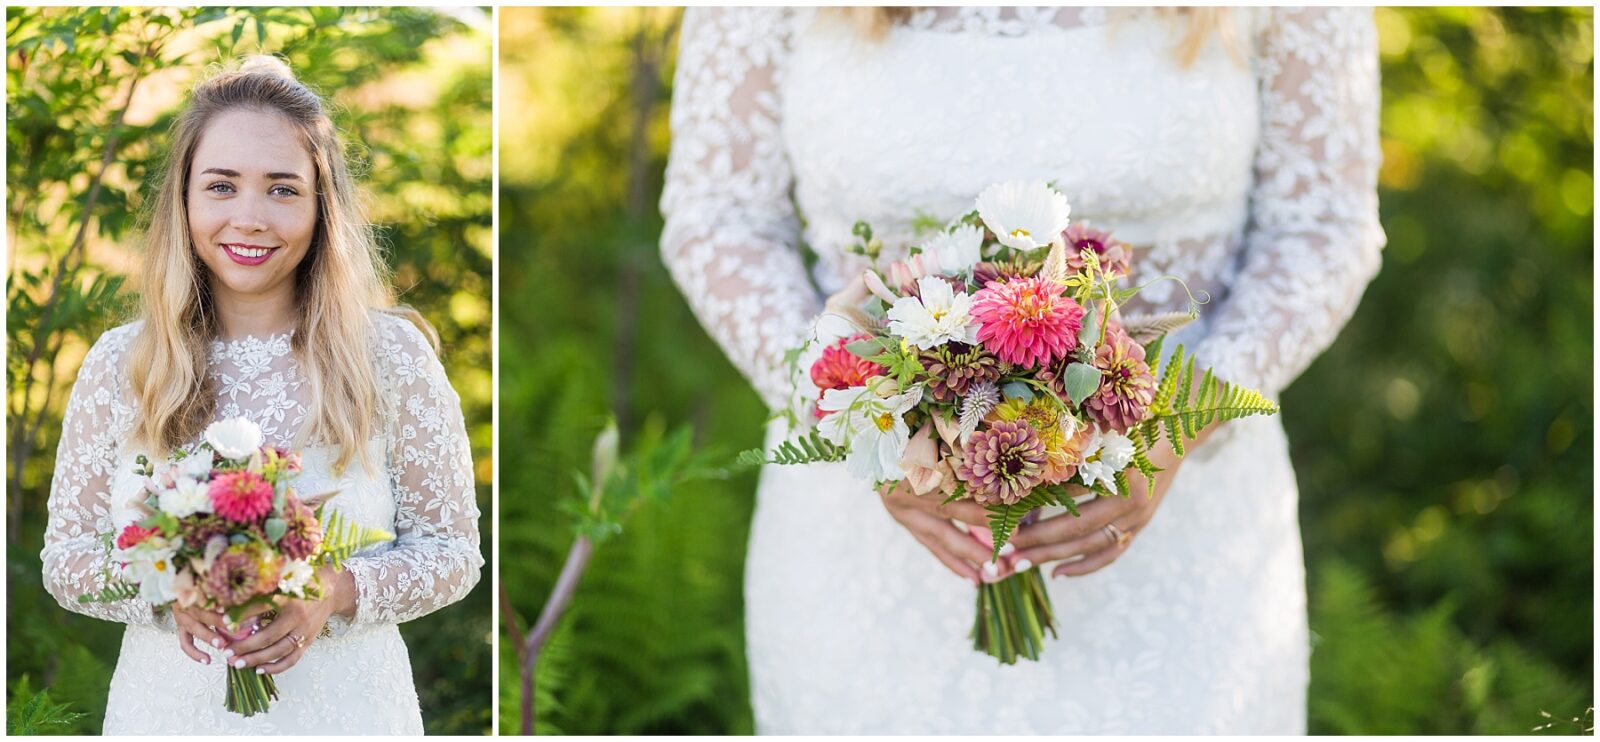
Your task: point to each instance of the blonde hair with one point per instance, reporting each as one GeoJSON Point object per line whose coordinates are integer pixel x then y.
{"type": "Point", "coordinates": [341, 278]}
{"type": "Point", "coordinates": [1202, 24]}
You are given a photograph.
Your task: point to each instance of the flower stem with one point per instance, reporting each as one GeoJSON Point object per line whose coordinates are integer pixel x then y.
{"type": "Point", "coordinates": [1012, 618]}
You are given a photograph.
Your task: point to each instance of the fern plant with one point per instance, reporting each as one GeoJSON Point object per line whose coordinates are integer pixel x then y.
{"type": "Point", "coordinates": [342, 538]}
{"type": "Point", "coordinates": [1174, 412]}
{"type": "Point", "coordinates": [805, 449]}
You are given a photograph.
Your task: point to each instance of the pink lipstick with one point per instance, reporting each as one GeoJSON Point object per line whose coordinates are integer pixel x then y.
{"type": "Point", "coordinates": [245, 254]}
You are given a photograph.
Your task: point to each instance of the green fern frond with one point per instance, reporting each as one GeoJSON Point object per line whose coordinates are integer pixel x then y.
{"type": "Point", "coordinates": [342, 538]}
{"type": "Point", "coordinates": [1003, 519]}
{"type": "Point", "coordinates": [1214, 401]}
{"type": "Point", "coordinates": [111, 593]}
{"type": "Point", "coordinates": [806, 449]}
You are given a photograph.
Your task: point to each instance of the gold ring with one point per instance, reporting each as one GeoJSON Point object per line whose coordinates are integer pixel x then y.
{"type": "Point", "coordinates": [1118, 536]}
{"type": "Point", "coordinates": [299, 643]}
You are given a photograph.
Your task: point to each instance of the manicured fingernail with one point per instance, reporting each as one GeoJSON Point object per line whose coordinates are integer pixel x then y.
{"type": "Point", "coordinates": [227, 653]}
{"type": "Point", "coordinates": [1023, 565]}
{"type": "Point", "coordinates": [1007, 550]}
{"type": "Point", "coordinates": [239, 663]}
{"type": "Point", "coordinates": [216, 642]}
{"type": "Point", "coordinates": [960, 526]}
{"type": "Point", "coordinates": [260, 671]}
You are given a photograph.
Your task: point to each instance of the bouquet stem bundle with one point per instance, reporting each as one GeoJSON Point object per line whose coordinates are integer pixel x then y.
{"type": "Point", "coordinates": [1012, 617]}
{"type": "Point", "coordinates": [248, 693]}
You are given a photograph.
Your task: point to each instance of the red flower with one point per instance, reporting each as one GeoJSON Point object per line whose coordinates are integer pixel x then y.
{"type": "Point", "coordinates": [840, 369]}
{"type": "Point", "coordinates": [133, 535]}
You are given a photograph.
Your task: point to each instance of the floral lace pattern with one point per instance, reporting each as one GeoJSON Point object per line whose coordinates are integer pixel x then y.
{"type": "Point", "coordinates": [420, 489]}
{"type": "Point", "coordinates": [1252, 179]}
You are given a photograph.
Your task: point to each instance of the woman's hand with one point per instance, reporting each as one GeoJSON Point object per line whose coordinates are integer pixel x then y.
{"type": "Point", "coordinates": [929, 523]}
{"type": "Point", "coordinates": [1102, 531]}
{"type": "Point", "coordinates": [279, 645]}
{"type": "Point", "coordinates": [198, 624]}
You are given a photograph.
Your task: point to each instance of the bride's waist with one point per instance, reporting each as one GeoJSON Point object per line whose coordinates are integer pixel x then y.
{"type": "Point", "coordinates": [339, 632]}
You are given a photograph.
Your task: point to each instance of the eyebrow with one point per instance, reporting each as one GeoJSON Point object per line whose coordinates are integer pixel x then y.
{"type": "Point", "coordinates": [235, 173]}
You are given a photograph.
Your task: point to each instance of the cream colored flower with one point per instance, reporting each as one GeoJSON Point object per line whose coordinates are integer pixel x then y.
{"type": "Point", "coordinates": [1025, 215]}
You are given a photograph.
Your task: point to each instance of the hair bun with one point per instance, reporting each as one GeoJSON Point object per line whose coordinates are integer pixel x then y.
{"type": "Point", "coordinates": [266, 63]}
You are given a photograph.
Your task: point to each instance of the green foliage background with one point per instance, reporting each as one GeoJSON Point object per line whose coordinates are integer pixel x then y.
{"type": "Point", "coordinates": [411, 90]}
{"type": "Point", "coordinates": [1443, 443]}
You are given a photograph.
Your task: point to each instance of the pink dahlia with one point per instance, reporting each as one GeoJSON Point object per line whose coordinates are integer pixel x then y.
{"type": "Point", "coordinates": [1115, 257]}
{"type": "Point", "coordinates": [1127, 387]}
{"type": "Point", "coordinates": [1027, 322]}
{"type": "Point", "coordinates": [133, 535]}
{"type": "Point", "coordinates": [238, 575]}
{"type": "Point", "coordinates": [241, 496]}
{"type": "Point", "coordinates": [304, 535]}
{"type": "Point", "coordinates": [1003, 463]}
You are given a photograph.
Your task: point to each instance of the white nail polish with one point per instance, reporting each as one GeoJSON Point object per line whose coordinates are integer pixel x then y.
{"type": "Point", "coordinates": [215, 642]}
{"type": "Point", "coordinates": [990, 569]}
{"type": "Point", "coordinates": [1023, 565]}
{"type": "Point", "coordinates": [1007, 550]}
{"type": "Point", "coordinates": [260, 671]}
{"type": "Point", "coordinates": [227, 653]}
{"type": "Point", "coordinates": [239, 663]}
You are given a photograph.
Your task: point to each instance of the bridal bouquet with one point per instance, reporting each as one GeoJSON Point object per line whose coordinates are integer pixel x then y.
{"type": "Point", "coordinates": [224, 530]}
{"type": "Point", "coordinates": [994, 365]}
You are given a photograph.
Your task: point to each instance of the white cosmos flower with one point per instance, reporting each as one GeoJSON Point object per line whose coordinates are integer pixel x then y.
{"type": "Point", "coordinates": [1025, 215]}
{"type": "Point", "coordinates": [185, 498]}
{"type": "Point", "coordinates": [196, 465]}
{"type": "Point", "coordinates": [295, 577]}
{"type": "Point", "coordinates": [1108, 452]}
{"type": "Point", "coordinates": [938, 317]}
{"type": "Point", "coordinates": [150, 565]}
{"type": "Point", "coordinates": [873, 427]}
{"type": "Point", "coordinates": [234, 438]}
{"type": "Point", "coordinates": [956, 251]}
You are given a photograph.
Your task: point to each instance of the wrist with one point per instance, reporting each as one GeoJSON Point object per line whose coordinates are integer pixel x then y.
{"type": "Point", "coordinates": [339, 591]}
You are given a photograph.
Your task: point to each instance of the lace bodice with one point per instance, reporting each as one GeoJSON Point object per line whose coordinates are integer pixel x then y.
{"type": "Point", "coordinates": [1251, 178]}
{"type": "Point", "coordinates": [421, 488]}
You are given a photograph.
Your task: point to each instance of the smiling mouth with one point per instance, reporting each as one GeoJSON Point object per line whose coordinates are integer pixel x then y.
{"type": "Point", "coordinates": [247, 254]}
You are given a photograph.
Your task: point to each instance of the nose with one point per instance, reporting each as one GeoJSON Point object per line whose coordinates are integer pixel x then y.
{"type": "Point", "coordinates": [249, 216]}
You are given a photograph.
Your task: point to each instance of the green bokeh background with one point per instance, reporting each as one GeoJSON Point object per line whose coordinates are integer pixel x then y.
{"type": "Point", "coordinates": [411, 90]}
{"type": "Point", "coordinates": [1443, 443]}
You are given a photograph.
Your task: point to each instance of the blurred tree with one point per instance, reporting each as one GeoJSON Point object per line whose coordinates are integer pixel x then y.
{"type": "Point", "coordinates": [1446, 503]}
{"type": "Point", "coordinates": [91, 92]}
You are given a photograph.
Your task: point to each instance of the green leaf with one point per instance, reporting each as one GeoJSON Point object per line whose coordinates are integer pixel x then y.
{"type": "Point", "coordinates": [275, 528]}
{"type": "Point", "coordinates": [1080, 381]}
{"type": "Point", "coordinates": [1017, 390]}
{"type": "Point", "coordinates": [1089, 334]}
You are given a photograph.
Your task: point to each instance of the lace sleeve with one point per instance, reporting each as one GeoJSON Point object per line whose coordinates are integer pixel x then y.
{"type": "Point", "coordinates": [434, 560]}
{"type": "Point", "coordinates": [731, 235]}
{"type": "Point", "coordinates": [1314, 240]}
{"type": "Point", "coordinates": [97, 419]}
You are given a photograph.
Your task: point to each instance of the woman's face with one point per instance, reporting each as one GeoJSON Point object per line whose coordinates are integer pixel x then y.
{"type": "Point", "coordinates": [252, 203]}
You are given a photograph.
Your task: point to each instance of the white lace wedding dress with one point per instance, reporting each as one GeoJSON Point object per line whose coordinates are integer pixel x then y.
{"type": "Point", "coordinates": [1253, 179]}
{"type": "Point", "coordinates": [421, 489]}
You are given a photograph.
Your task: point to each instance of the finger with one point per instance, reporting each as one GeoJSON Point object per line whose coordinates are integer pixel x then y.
{"type": "Point", "coordinates": [968, 548]}
{"type": "Point", "coordinates": [956, 564]}
{"type": "Point", "coordinates": [186, 643]}
{"type": "Point", "coordinates": [1090, 563]}
{"type": "Point", "coordinates": [199, 630]}
{"type": "Point", "coordinates": [1092, 516]}
{"type": "Point", "coordinates": [266, 635]}
{"type": "Point", "coordinates": [289, 660]}
{"type": "Point", "coordinates": [270, 653]}
{"type": "Point", "coordinates": [1081, 546]}
{"type": "Point", "coordinates": [965, 511]}
{"type": "Point", "coordinates": [258, 609]}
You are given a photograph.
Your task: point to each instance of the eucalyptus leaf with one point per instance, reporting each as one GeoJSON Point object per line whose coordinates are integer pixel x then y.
{"type": "Point", "coordinates": [1080, 381]}
{"type": "Point", "coordinates": [275, 528]}
{"type": "Point", "coordinates": [1089, 334]}
{"type": "Point", "coordinates": [1017, 390]}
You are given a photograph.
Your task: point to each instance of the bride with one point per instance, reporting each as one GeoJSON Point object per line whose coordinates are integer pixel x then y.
{"type": "Point", "coordinates": [264, 297]}
{"type": "Point", "coordinates": [1236, 150]}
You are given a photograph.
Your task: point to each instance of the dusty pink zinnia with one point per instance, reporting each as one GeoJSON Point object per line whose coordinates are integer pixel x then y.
{"type": "Point", "coordinates": [1127, 386]}
{"type": "Point", "coordinates": [1114, 256]}
{"type": "Point", "coordinates": [235, 577]}
{"type": "Point", "coordinates": [241, 496]}
{"type": "Point", "coordinates": [1003, 463]}
{"type": "Point", "coordinates": [1027, 322]}
{"type": "Point", "coordinates": [304, 534]}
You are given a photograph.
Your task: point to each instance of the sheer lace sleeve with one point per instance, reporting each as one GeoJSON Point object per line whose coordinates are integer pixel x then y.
{"type": "Point", "coordinates": [731, 236]}
{"type": "Point", "coordinates": [98, 418]}
{"type": "Point", "coordinates": [434, 560]}
{"type": "Point", "coordinates": [1314, 240]}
